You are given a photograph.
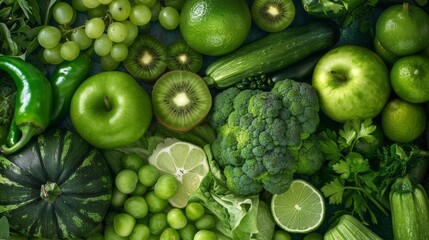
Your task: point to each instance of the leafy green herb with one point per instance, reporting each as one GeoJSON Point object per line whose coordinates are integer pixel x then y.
{"type": "Point", "coordinates": [358, 183]}
{"type": "Point", "coordinates": [20, 22]}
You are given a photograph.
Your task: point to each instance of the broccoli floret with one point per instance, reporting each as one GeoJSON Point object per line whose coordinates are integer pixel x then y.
{"type": "Point", "coordinates": [279, 183]}
{"type": "Point", "coordinates": [224, 147]}
{"type": "Point", "coordinates": [310, 157]}
{"type": "Point", "coordinates": [222, 107]}
{"type": "Point", "coordinates": [302, 102]}
{"type": "Point", "coordinates": [264, 133]}
{"type": "Point", "coordinates": [239, 183]}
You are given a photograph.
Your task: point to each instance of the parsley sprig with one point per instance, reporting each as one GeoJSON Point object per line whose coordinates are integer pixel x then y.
{"type": "Point", "coordinates": [359, 183]}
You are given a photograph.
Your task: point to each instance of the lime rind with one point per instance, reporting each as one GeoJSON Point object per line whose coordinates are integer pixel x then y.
{"type": "Point", "coordinates": [186, 161]}
{"type": "Point", "coordinates": [301, 209]}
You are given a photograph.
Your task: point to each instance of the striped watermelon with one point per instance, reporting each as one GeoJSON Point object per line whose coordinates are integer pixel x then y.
{"type": "Point", "coordinates": [57, 187]}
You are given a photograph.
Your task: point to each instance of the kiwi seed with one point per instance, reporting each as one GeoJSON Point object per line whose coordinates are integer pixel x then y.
{"type": "Point", "coordinates": [181, 100]}
{"type": "Point", "coordinates": [182, 57]}
{"type": "Point", "coordinates": [147, 58]}
{"type": "Point", "coordinates": [273, 15]}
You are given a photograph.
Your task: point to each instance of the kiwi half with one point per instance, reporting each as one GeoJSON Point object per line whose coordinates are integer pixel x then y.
{"type": "Point", "coordinates": [182, 57]}
{"type": "Point", "coordinates": [273, 15]}
{"type": "Point", "coordinates": [181, 100]}
{"type": "Point", "coordinates": [147, 58]}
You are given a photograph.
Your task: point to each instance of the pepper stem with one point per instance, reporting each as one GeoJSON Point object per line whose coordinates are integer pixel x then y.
{"type": "Point", "coordinates": [28, 131]}
{"type": "Point", "coordinates": [50, 191]}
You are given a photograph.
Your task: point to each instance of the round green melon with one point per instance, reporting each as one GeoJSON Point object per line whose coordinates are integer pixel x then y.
{"type": "Point", "coordinates": [57, 187]}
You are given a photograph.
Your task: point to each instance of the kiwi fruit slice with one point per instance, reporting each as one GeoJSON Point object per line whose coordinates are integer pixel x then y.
{"type": "Point", "coordinates": [147, 58]}
{"type": "Point", "coordinates": [181, 100]}
{"type": "Point", "coordinates": [182, 57]}
{"type": "Point", "coordinates": [273, 15]}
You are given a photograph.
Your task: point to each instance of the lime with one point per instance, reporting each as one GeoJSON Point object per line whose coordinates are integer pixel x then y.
{"type": "Point", "coordinates": [187, 162]}
{"type": "Point", "coordinates": [301, 209]}
{"type": "Point", "coordinates": [215, 27]}
{"type": "Point", "coordinates": [387, 56]}
{"type": "Point", "coordinates": [403, 29]}
{"type": "Point", "coordinates": [409, 77]}
{"type": "Point", "coordinates": [403, 121]}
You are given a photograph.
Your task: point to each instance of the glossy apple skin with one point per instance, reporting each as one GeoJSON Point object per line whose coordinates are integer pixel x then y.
{"type": "Point", "coordinates": [352, 82]}
{"type": "Point", "coordinates": [111, 110]}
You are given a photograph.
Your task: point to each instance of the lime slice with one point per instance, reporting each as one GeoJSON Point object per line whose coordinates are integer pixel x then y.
{"type": "Point", "coordinates": [300, 209]}
{"type": "Point", "coordinates": [184, 160]}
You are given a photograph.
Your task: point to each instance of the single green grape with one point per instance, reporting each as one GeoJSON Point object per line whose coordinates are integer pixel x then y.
{"type": "Point", "coordinates": [148, 175]}
{"type": "Point", "coordinates": [136, 206]}
{"type": "Point", "coordinates": [132, 161]}
{"type": "Point", "coordinates": [53, 55]}
{"type": "Point", "coordinates": [169, 18]}
{"type": "Point", "coordinates": [126, 181]}
{"type": "Point", "coordinates": [69, 50]}
{"type": "Point", "coordinates": [205, 235]}
{"type": "Point", "coordinates": [117, 32]}
{"type": "Point", "coordinates": [205, 222]}
{"type": "Point", "coordinates": [79, 36]}
{"type": "Point", "coordinates": [119, 52]}
{"type": "Point", "coordinates": [102, 45]}
{"type": "Point", "coordinates": [176, 218]}
{"type": "Point", "coordinates": [140, 231]}
{"type": "Point", "coordinates": [166, 186]}
{"type": "Point", "coordinates": [169, 234]}
{"type": "Point", "coordinates": [123, 224]}
{"type": "Point", "coordinates": [154, 203]}
{"type": "Point", "coordinates": [63, 13]}
{"type": "Point", "coordinates": [118, 198]}
{"type": "Point", "coordinates": [132, 30]}
{"type": "Point", "coordinates": [140, 15]}
{"type": "Point", "coordinates": [49, 36]}
{"type": "Point", "coordinates": [108, 64]}
{"type": "Point", "coordinates": [194, 211]}
{"type": "Point", "coordinates": [91, 3]}
{"type": "Point", "coordinates": [120, 9]}
{"type": "Point", "coordinates": [188, 232]}
{"type": "Point", "coordinates": [158, 223]}
{"type": "Point", "coordinates": [94, 27]}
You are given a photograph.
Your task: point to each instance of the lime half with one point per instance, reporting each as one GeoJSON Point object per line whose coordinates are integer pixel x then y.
{"type": "Point", "coordinates": [301, 209]}
{"type": "Point", "coordinates": [184, 160]}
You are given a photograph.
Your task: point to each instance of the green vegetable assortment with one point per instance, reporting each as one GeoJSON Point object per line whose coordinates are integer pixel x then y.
{"type": "Point", "coordinates": [311, 122]}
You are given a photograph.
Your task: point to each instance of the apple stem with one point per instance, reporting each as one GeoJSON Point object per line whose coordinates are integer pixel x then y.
{"type": "Point", "coordinates": [339, 77]}
{"type": "Point", "coordinates": [406, 8]}
{"type": "Point", "coordinates": [107, 103]}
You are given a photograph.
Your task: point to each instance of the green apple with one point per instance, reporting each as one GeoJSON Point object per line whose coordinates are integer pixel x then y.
{"type": "Point", "coordinates": [111, 110]}
{"type": "Point", "coordinates": [352, 82]}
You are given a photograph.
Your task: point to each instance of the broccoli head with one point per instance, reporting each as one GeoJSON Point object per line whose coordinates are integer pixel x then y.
{"type": "Point", "coordinates": [260, 138]}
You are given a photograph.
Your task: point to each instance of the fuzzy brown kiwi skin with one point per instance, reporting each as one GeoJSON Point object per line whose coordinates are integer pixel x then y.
{"type": "Point", "coordinates": [180, 56]}
{"type": "Point", "coordinates": [198, 118]}
{"type": "Point", "coordinates": [269, 23]}
{"type": "Point", "coordinates": [147, 58]}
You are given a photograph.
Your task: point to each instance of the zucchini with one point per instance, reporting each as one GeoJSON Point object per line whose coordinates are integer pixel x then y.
{"type": "Point", "coordinates": [271, 53]}
{"type": "Point", "coordinates": [410, 210]}
{"type": "Point", "coordinates": [347, 227]}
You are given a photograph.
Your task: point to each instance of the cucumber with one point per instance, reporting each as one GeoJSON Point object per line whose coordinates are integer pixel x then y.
{"type": "Point", "coordinates": [301, 71]}
{"type": "Point", "coordinates": [271, 53]}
